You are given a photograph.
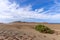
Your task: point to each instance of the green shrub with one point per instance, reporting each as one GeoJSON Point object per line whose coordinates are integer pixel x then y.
{"type": "Point", "coordinates": [44, 29]}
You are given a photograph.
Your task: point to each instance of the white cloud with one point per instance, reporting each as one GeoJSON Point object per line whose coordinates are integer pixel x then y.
{"type": "Point", "coordinates": [39, 10]}
{"type": "Point", "coordinates": [9, 11]}
{"type": "Point", "coordinates": [13, 12]}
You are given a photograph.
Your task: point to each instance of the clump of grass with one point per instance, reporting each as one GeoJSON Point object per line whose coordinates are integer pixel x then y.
{"type": "Point", "coordinates": [44, 29]}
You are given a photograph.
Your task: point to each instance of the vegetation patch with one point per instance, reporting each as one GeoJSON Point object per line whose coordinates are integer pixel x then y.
{"type": "Point", "coordinates": [44, 29]}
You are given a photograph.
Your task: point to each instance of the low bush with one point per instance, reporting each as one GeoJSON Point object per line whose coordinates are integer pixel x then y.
{"type": "Point", "coordinates": [44, 29]}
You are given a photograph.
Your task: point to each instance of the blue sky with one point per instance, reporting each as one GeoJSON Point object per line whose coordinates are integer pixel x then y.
{"type": "Point", "coordinates": [36, 4]}
{"type": "Point", "coordinates": [30, 11]}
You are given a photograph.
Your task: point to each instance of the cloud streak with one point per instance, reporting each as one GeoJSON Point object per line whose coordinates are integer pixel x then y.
{"type": "Point", "coordinates": [10, 12]}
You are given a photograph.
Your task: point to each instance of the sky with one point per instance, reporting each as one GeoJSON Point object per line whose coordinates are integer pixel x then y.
{"type": "Point", "coordinates": [30, 11]}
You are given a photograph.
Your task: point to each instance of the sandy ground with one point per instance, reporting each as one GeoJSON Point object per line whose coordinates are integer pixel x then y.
{"type": "Point", "coordinates": [26, 31]}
